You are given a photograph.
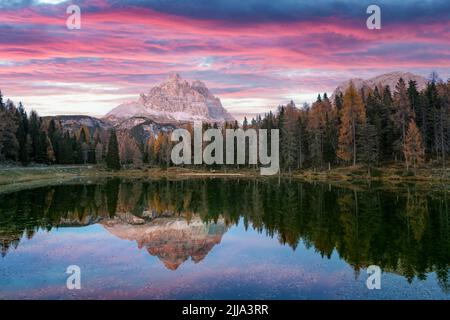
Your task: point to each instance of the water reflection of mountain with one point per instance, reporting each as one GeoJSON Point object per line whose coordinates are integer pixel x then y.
{"type": "Point", "coordinates": [172, 240]}
{"type": "Point", "coordinates": [405, 231]}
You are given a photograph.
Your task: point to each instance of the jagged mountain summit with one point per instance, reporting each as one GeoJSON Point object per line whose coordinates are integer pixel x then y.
{"type": "Point", "coordinates": [175, 100]}
{"type": "Point", "coordinates": [387, 79]}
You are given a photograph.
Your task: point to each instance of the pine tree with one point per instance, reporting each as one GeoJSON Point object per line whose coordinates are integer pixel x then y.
{"type": "Point", "coordinates": [77, 153]}
{"type": "Point", "coordinates": [55, 137]}
{"type": "Point", "coordinates": [353, 117]}
{"type": "Point", "coordinates": [288, 143]}
{"type": "Point", "coordinates": [331, 132]}
{"type": "Point", "coordinates": [430, 128]}
{"type": "Point", "coordinates": [35, 130]}
{"type": "Point", "coordinates": [8, 129]}
{"type": "Point", "coordinates": [112, 156]}
{"type": "Point", "coordinates": [339, 102]}
{"type": "Point", "coordinates": [374, 117]}
{"type": "Point", "coordinates": [403, 113]}
{"type": "Point", "coordinates": [42, 148]}
{"type": "Point", "coordinates": [387, 124]}
{"type": "Point", "coordinates": [443, 121]}
{"type": "Point", "coordinates": [66, 156]}
{"type": "Point", "coordinates": [413, 96]}
{"type": "Point", "coordinates": [301, 138]}
{"type": "Point", "coordinates": [367, 144]}
{"type": "Point", "coordinates": [413, 150]}
{"type": "Point", "coordinates": [84, 141]}
{"type": "Point", "coordinates": [22, 135]}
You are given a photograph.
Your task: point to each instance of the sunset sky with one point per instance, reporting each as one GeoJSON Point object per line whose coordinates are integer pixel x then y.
{"type": "Point", "coordinates": [253, 54]}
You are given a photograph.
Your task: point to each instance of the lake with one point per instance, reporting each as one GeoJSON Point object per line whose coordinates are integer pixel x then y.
{"type": "Point", "coordinates": [224, 239]}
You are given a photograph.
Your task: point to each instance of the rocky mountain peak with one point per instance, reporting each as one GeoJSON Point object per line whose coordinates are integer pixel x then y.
{"type": "Point", "coordinates": [174, 100]}
{"type": "Point", "coordinates": [174, 77]}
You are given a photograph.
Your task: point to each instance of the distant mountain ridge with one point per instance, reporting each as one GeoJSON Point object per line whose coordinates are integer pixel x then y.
{"type": "Point", "coordinates": [386, 79]}
{"type": "Point", "coordinates": [175, 100]}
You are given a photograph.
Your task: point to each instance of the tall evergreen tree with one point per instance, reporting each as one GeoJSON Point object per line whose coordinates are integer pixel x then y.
{"type": "Point", "coordinates": [387, 124]}
{"type": "Point", "coordinates": [8, 142]}
{"type": "Point", "coordinates": [112, 156]}
{"type": "Point", "coordinates": [55, 135]}
{"type": "Point", "coordinates": [403, 113]}
{"type": "Point", "coordinates": [302, 138]}
{"type": "Point", "coordinates": [34, 128]}
{"type": "Point", "coordinates": [430, 128]}
{"type": "Point", "coordinates": [22, 135]}
{"type": "Point", "coordinates": [443, 121]}
{"type": "Point", "coordinates": [413, 96]}
{"type": "Point", "coordinates": [288, 143]}
{"type": "Point", "coordinates": [331, 133]}
{"type": "Point", "coordinates": [66, 151]}
{"type": "Point", "coordinates": [42, 147]}
{"type": "Point", "coordinates": [368, 145]}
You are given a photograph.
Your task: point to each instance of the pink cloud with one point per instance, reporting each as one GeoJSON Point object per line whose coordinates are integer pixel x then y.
{"type": "Point", "coordinates": [129, 48]}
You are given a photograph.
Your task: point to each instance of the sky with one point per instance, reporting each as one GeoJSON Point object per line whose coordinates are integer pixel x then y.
{"type": "Point", "coordinates": [253, 54]}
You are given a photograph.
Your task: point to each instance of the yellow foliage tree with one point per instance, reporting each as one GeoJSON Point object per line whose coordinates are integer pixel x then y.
{"type": "Point", "coordinates": [353, 116]}
{"type": "Point", "coordinates": [413, 147]}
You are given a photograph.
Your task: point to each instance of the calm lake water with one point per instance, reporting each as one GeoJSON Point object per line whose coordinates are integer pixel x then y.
{"type": "Point", "coordinates": [223, 239]}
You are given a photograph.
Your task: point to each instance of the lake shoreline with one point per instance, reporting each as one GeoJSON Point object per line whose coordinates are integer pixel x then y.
{"type": "Point", "coordinates": [19, 177]}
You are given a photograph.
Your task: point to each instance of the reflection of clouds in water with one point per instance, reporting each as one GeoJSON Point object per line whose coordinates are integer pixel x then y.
{"type": "Point", "coordinates": [289, 240]}
{"type": "Point", "coordinates": [117, 270]}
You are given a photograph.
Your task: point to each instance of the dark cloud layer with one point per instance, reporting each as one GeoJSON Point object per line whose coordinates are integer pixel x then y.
{"type": "Point", "coordinates": [253, 11]}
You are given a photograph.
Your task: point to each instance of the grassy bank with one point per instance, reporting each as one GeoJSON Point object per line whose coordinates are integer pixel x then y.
{"type": "Point", "coordinates": [389, 173]}
{"type": "Point", "coordinates": [17, 177]}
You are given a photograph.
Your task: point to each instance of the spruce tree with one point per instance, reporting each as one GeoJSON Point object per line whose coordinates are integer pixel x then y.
{"type": "Point", "coordinates": [66, 150]}
{"type": "Point", "coordinates": [55, 136]}
{"type": "Point", "coordinates": [22, 135]}
{"type": "Point", "coordinates": [8, 142]}
{"type": "Point", "coordinates": [112, 156]}
{"type": "Point", "coordinates": [403, 114]}
{"type": "Point", "coordinates": [34, 130]}
{"type": "Point", "coordinates": [387, 125]}
{"type": "Point", "coordinates": [367, 144]}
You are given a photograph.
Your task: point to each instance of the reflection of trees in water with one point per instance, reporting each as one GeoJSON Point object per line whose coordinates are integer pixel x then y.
{"type": "Point", "coordinates": [405, 232]}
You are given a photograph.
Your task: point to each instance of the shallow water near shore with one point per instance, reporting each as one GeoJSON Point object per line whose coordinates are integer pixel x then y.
{"type": "Point", "coordinates": [223, 239]}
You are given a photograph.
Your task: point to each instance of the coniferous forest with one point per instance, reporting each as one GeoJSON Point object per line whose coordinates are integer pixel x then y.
{"type": "Point", "coordinates": [371, 128]}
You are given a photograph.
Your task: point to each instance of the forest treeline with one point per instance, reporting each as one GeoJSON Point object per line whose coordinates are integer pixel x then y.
{"type": "Point", "coordinates": [369, 127]}
{"type": "Point", "coordinates": [29, 139]}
